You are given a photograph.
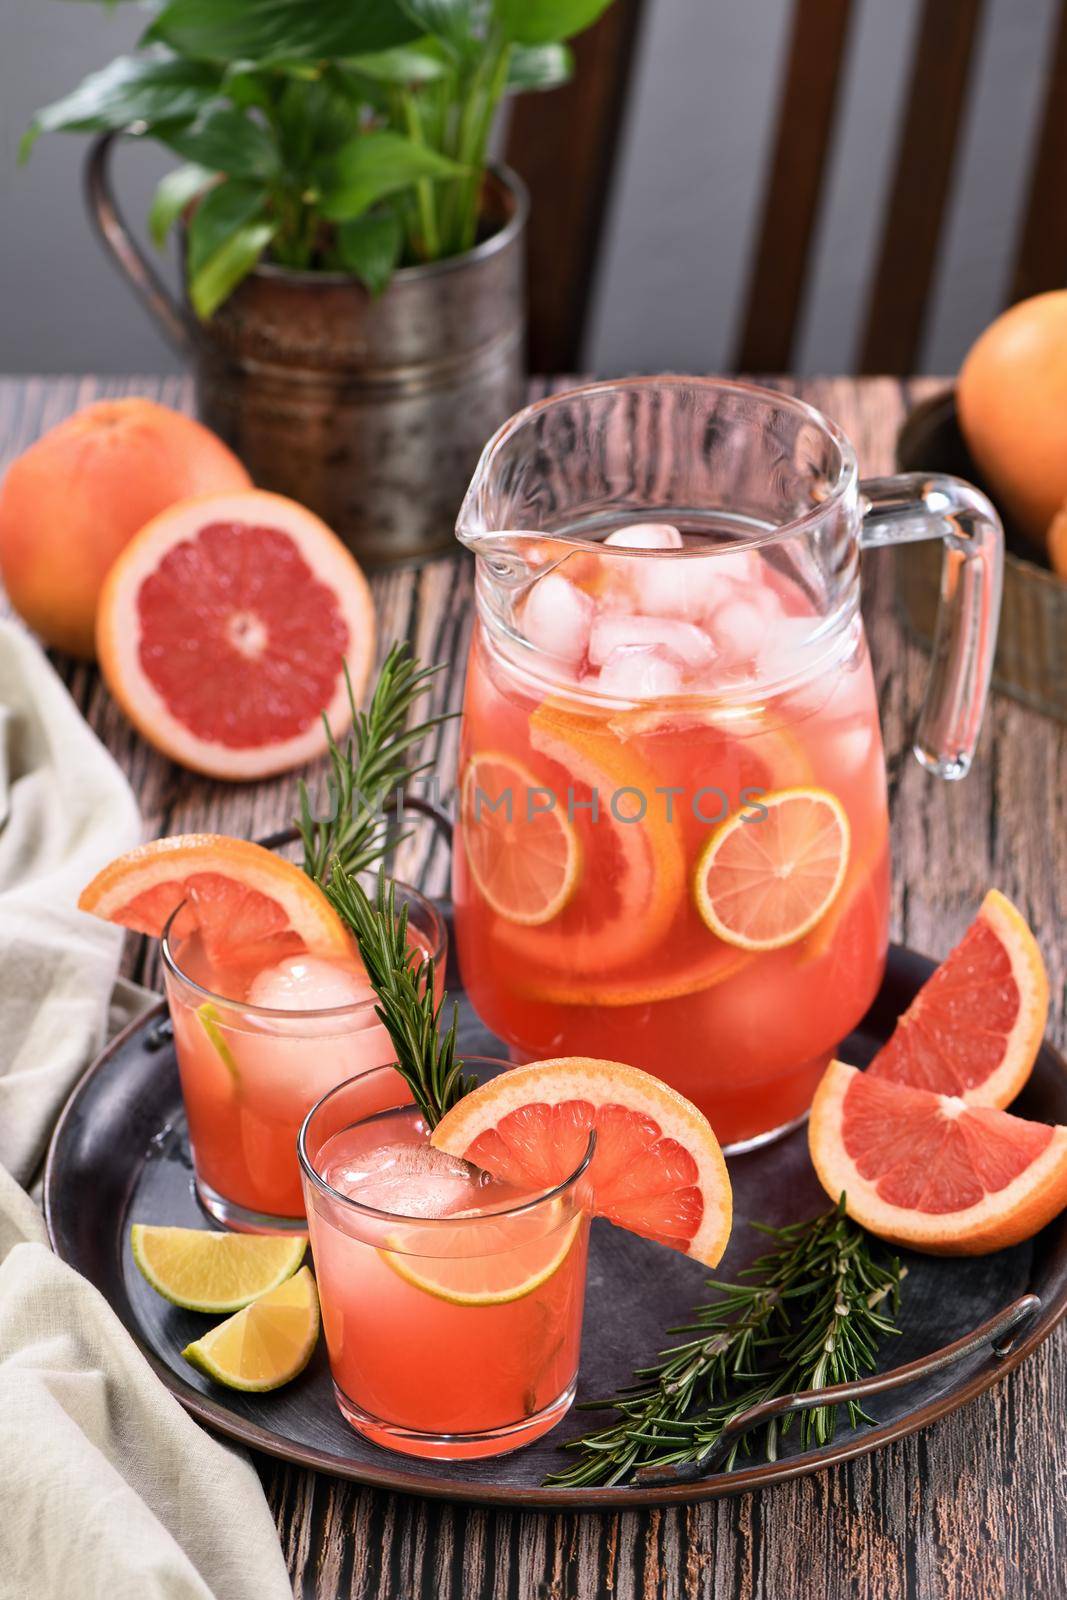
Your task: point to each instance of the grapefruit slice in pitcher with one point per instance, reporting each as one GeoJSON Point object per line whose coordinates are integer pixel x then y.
{"type": "Point", "coordinates": [976, 1025]}
{"type": "Point", "coordinates": [525, 861]}
{"type": "Point", "coordinates": [931, 1172]}
{"type": "Point", "coordinates": [765, 881]}
{"type": "Point", "coordinates": [635, 859]}
{"type": "Point", "coordinates": [246, 902]}
{"type": "Point", "coordinates": [225, 628]}
{"type": "Point", "coordinates": [657, 1168]}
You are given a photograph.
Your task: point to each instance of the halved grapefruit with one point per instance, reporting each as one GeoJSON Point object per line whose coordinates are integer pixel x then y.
{"type": "Point", "coordinates": [657, 1169]}
{"type": "Point", "coordinates": [224, 630]}
{"type": "Point", "coordinates": [931, 1172]}
{"type": "Point", "coordinates": [246, 902]}
{"type": "Point", "coordinates": [976, 1025]}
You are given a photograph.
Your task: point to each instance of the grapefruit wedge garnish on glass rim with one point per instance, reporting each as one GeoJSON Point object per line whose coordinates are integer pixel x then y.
{"type": "Point", "coordinates": [931, 1172]}
{"type": "Point", "coordinates": [246, 902]}
{"type": "Point", "coordinates": [657, 1169]}
{"type": "Point", "coordinates": [224, 630]}
{"type": "Point", "coordinates": [976, 1025]}
{"type": "Point", "coordinates": [764, 881]}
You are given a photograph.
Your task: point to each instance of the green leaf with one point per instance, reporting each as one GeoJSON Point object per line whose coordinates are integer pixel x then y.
{"type": "Point", "coordinates": [233, 261]}
{"type": "Point", "coordinates": [223, 211]}
{"type": "Point", "coordinates": [130, 89]}
{"type": "Point", "coordinates": [546, 21]}
{"type": "Point", "coordinates": [373, 165]}
{"type": "Point", "coordinates": [458, 22]}
{"type": "Point", "coordinates": [538, 66]}
{"type": "Point", "coordinates": [404, 64]}
{"type": "Point", "coordinates": [173, 194]}
{"type": "Point", "coordinates": [227, 140]}
{"type": "Point", "coordinates": [370, 248]}
{"type": "Point", "coordinates": [268, 30]}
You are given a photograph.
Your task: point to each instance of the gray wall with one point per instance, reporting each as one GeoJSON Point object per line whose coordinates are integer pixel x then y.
{"type": "Point", "coordinates": [684, 209]}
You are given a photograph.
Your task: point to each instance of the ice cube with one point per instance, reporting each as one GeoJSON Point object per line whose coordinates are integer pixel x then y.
{"type": "Point", "coordinates": [637, 672]}
{"type": "Point", "coordinates": [739, 628]}
{"type": "Point", "coordinates": [309, 983]}
{"type": "Point", "coordinates": [787, 650]}
{"type": "Point", "coordinates": [646, 536]}
{"type": "Point", "coordinates": [409, 1180]}
{"type": "Point", "coordinates": [556, 618]}
{"type": "Point", "coordinates": [684, 643]}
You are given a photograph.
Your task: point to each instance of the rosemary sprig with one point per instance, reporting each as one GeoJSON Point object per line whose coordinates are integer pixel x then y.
{"type": "Point", "coordinates": [364, 776]}
{"type": "Point", "coordinates": [809, 1314]}
{"type": "Point", "coordinates": [404, 983]}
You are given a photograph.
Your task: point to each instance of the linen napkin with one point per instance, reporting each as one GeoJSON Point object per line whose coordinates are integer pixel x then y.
{"type": "Point", "coordinates": [108, 1491]}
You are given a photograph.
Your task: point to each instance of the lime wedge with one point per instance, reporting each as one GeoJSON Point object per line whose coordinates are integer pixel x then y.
{"type": "Point", "coordinates": [505, 1267]}
{"type": "Point", "coordinates": [221, 1272]}
{"type": "Point", "coordinates": [265, 1345]}
{"type": "Point", "coordinates": [209, 1020]}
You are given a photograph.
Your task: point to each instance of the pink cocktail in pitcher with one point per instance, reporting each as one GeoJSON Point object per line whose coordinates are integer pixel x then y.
{"type": "Point", "coordinates": [673, 835]}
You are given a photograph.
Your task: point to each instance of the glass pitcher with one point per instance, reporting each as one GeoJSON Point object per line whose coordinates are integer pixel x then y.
{"type": "Point", "coordinates": [673, 842]}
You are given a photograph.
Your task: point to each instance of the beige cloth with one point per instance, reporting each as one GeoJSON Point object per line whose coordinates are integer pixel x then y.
{"type": "Point", "coordinates": [108, 1491]}
{"type": "Point", "coordinates": [65, 811]}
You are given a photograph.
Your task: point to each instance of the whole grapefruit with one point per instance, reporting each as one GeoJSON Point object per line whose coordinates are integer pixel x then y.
{"type": "Point", "coordinates": [76, 497]}
{"type": "Point", "coordinates": [1011, 396]}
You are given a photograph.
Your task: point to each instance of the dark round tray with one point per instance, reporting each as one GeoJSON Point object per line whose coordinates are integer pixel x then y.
{"type": "Point", "coordinates": [120, 1154]}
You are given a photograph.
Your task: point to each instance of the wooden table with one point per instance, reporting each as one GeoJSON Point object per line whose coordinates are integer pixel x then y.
{"type": "Point", "coordinates": [972, 1507]}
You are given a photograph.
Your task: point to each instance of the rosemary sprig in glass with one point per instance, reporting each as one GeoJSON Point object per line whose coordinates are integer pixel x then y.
{"type": "Point", "coordinates": [364, 777]}
{"type": "Point", "coordinates": [404, 983]}
{"type": "Point", "coordinates": [808, 1314]}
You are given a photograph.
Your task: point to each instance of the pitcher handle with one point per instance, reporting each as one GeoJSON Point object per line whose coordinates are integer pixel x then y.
{"type": "Point", "coordinates": [916, 506]}
{"type": "Point", "coordinates": [124, 250]}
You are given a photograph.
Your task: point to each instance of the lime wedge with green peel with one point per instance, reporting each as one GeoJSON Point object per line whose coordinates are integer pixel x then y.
{"type": "Point", "coordinates": [488, 1265]}
{"type": "Point", "coordinates": [267, 1344]}
{"type": "Point", "coordinates": [214, 1272]}
{"type": "Point", "coordinates": [209, 1020]}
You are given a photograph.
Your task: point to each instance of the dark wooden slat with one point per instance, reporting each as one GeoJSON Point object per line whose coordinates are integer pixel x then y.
{"type": "Point", "coordinates": [792, 192]}
{"type": "Point", "coordinates": [942, 53]}
{"type": "Point", "coordinates": [563, 144]}
{"type": "Point", "coordinates": [1041, 262]}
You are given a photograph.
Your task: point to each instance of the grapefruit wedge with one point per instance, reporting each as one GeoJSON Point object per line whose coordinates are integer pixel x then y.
{"type": "Point", "coordinates": [976, 1025]}
{"type": "Point", "coordinates": [929, 1171]}
{"type": "Point", "coordinates": [247, 903]}
{"type": "Point", "coordinates": [657, 1168]}
{"type": "Point", "coordinates": [224, 630]}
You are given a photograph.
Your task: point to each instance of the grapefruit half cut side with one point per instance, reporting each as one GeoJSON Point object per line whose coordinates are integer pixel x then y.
{"type": "Point", "coordinates": [929, 1171]}
{"type": "Point", "coordinates": [657, 1169]}
{"type": "Point", "coordinates": [976, 1025]}
{"type": "Point", "coordinates": [224, 630]}
{"type": "Point", "coordinates": [246, 902]}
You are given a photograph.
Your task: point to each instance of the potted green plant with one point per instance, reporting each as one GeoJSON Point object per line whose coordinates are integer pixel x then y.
{"type": "Point", "coordinates": [353, 270]}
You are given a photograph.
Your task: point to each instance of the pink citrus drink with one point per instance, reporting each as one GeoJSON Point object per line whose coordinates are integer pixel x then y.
{"type": "Point", "coordinates": [451, 1301]}
{"type": "Point", "coordinates": [258, 1042]}
{"type": "Point", "coordinates": [673, 840]}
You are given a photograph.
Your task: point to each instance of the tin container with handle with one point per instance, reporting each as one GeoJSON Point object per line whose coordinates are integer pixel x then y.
{"type": "Point", "coordinates": [369, 410]}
